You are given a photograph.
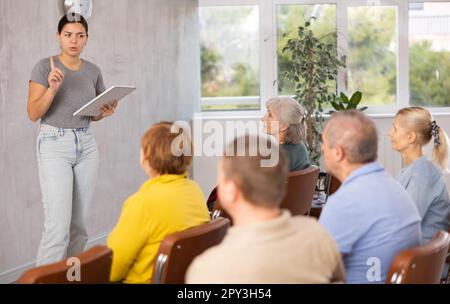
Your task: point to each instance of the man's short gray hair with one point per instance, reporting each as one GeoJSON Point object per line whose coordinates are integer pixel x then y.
{"type": "Point", "coordinates": [289, 112]}
{"type": "Point", "coordinates": [355, 133]}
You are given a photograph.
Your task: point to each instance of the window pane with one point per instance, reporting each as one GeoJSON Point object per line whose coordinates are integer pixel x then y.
{"type": "Point", "coordinates": [289, 18]}
{"type": "Point", "coordinates": [230, 57]}
{"type": "Point", "coordinates": [429, 54]}
{"type": "Point", "coordinates": [372, 54]}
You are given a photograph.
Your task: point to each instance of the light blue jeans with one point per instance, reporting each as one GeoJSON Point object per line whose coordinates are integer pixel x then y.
{"type": "Point", "coordinates": [68, 166]}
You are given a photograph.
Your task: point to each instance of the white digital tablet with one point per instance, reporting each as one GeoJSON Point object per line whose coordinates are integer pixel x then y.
{"type": "Point", "coordinates": [92, 108]}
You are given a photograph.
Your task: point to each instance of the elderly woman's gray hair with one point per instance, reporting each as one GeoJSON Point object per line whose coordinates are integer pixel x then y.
{"type": "Point", "coordinates": [289, 112]}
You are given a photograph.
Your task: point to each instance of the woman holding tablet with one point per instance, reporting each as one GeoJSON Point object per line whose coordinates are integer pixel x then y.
{"type": "Point", "coordinates": [66, 149]}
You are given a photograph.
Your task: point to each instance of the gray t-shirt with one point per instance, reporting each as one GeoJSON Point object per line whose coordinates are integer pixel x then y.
{"type": "Point", "coordinates": [78, 88]}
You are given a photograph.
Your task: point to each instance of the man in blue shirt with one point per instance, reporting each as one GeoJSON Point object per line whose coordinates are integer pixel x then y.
{"type": "Point", "coordinates": [371, 217]}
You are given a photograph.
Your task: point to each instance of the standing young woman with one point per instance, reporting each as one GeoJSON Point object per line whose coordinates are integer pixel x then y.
{"type": "Point", "coordinates": [66, 148]}
{"type": "Point", "coordinates": [412, 129]}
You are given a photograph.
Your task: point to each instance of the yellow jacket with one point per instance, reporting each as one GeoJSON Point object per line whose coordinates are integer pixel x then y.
{"type": "Point", "coordinates": [163, 205]}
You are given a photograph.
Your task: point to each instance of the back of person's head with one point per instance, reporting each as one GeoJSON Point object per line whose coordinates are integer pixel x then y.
{"type": "Point", "coordinates": [261, 186]}
{"type": "Point", "coordinates": [158, 150]}
{"type": "Point", "coordinates": [420, 121]}
{"type": "Point", "coordinates": [291, 113]}
{"type": "Point", "coordinates": [355, 133]}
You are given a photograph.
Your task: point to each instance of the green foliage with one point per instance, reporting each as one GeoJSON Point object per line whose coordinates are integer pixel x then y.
{"type": "Point", "coordinates": [244, 81]}
{"type": "Point", "coordinates": [342, 102]}
{"type": "Point", "coordinates": [372, 54]}
{"type": "Point", "coordinates": [372, 57]}
{"type": "Point", "coordinates": [429, 75]}
{"type": "Point", "coordinates": [228, 65]}
{"type": "Point", "coordinates": [289, 19]}
{"type": "Point", "coordinates": [210, 60]}
{"type": "Point", "coordinates": [313, 64]}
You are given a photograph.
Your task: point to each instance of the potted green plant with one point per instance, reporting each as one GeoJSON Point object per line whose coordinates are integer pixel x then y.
{"type": "Point", "coordinates": [313, 70]}
{"type": "Point", "coordinates": [342, 102]}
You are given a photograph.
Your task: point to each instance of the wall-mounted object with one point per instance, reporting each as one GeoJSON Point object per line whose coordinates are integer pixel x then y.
{"type": "Point", "coordinates": [82, 7]}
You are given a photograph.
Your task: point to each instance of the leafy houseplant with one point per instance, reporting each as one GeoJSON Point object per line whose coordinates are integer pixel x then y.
{"type": "Point", "coordinates": [342, 102]}
{"type": "Point", "coordinates": [313, 70]}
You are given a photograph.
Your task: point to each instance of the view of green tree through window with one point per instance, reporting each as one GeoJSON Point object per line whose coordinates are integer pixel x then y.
{"type": "Point", "coordinates": [372, 54]}
{"type": "Point", "coordinates": [429, 54]}
{"type": "Point", "coordinates": [229, 57]}
{"type": "Point", "coordinates": [289, 18]}
{"type": "Point", "coordinates": [243, 63]}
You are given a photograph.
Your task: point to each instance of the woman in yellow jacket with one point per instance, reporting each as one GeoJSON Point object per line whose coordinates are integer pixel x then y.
{"type": "Point", "coordinates": [168, 202]}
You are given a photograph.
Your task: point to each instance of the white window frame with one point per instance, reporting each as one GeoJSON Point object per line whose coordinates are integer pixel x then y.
{"type": "Point", "coordinates": [268, 72]}
{"type": "Point", "coordinates": [402, 85]}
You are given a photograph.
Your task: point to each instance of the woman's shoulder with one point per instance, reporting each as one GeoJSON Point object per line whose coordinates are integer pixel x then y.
{"type": "Point", "coordinates": [43, 63]}
{"type": "Point", "coordinates": [425, 165]}
{"type": "Point", "coordinates": [302, 146]}
{"type": "Point", "coordinates": [294, 146]}
{"type": "Point", "coordinates": [91, 66]}
{"type": "Point", "coordinates": [299, 148]}
{"type": "Point", "coordinates": [40, 71]}
{"type": "Point", "coordinates": [194, 185]}
{"type": "Point", "coordinates": [169, 184]}
{"type": "Point", "coordinates": [424, 170]}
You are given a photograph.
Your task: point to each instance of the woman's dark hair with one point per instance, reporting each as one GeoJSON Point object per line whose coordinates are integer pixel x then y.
{"type": "Point", "coordinates": [72, 18]}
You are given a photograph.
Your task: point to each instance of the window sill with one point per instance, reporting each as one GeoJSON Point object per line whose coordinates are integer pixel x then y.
{"type": "Point", "coordinates": [259, 114]}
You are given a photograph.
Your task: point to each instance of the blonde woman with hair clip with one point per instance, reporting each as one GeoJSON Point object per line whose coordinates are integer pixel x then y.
{"type": "Point", "coordinates": [412, 129]}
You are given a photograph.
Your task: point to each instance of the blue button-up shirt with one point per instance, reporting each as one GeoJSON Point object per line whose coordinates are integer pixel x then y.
{"type": "Point", "coordinates": [372, 219]}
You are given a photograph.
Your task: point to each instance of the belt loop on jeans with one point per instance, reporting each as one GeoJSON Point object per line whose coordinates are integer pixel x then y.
{"type": "Point", "coordinates": [82, 130]}
{"type": "Point", "coordinates": [61, 132]}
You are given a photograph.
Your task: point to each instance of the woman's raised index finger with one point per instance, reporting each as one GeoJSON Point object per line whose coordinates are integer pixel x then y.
{"type": "Point", "coordinates": [59, 72]}
{"type": "Point", "coordinates": [52, 64]}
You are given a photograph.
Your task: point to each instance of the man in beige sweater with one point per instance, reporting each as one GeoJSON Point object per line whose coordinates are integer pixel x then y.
{"type": "Point", "coordinates": [266, 244]}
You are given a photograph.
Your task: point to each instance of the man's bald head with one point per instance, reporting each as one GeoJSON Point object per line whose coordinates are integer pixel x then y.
{"type": "Point", "coordinates": [355, 133]}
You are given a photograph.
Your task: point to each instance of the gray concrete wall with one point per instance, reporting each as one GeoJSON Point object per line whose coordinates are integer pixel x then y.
{"type": "Point", "coordinates": [152, 44]}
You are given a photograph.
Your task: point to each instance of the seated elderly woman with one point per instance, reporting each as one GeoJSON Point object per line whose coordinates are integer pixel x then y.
{"type": "Point", "coordinates": [168, 202]}
{"type": "Point", "coordinates": [423, 178]}
{"type": "Point", "coordinates": [285, 121]}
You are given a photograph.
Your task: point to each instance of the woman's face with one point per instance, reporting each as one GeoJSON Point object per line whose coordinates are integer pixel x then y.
{"type": "Point", "coordinates": [271, 123]}
{"type": "Point", "coordinates": [400, 136]}
{"type": "Point", "coordinates": [73, 39]}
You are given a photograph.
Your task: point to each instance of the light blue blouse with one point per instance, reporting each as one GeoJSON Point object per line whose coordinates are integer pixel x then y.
{"type": "Point", "coordinates": [424, 182]}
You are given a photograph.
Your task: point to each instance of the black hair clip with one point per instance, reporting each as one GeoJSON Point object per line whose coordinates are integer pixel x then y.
{"type": "Point", "coordinates": [435, 133]}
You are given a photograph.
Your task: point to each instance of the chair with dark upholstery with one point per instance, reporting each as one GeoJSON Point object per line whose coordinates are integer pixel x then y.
{"type": "Point", "coordinates": [422, 264]}
{"type": "Point", "coordinates": [95, 268]}
{"type": "Point", "coordinates": [177, 250]}
{"type": "Point", "coordinates": [301, 186]}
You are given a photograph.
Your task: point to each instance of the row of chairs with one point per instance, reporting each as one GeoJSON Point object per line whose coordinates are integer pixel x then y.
{"type": "Point", "coordinates": [422, 264]}
{"type": "Point", "coordinates": [303, 181]}
{"type": "Point", "coordinates": [177, 250]}
{"type": "Point", "coordinates": [175, 254]}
